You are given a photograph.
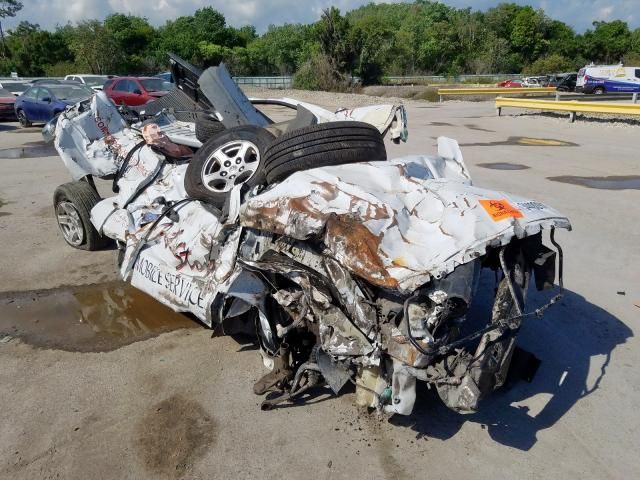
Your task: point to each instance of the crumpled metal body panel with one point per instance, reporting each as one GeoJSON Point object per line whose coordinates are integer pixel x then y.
{"type": "Point", "coordinates": [395, 223]}
{"type": "Point", "coordinates": [229, 101]}
{"type": "Point", "coordinates": [174, 262]}
{"type": "Point", "coordinates": [175, 265]}
{"type": "Point", "coordinates": [87, 139]}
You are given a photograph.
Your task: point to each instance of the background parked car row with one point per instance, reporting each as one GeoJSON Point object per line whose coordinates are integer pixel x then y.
{"type": "Point", "coordinates": [45, 100]}
{"type": "Point", "coordinates": [134, 91]}
{"type": "Point", "coordinates": [38, 101]}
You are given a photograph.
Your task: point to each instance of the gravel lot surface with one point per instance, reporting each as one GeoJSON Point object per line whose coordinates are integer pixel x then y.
{"type": "Point", "coordinates": [170, 402]}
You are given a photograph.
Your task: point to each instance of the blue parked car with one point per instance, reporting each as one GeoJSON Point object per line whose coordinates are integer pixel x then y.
{"type": "Point", "coordinates": [43, 101]}
{"type": "Point", "coordinates": [166, 76]}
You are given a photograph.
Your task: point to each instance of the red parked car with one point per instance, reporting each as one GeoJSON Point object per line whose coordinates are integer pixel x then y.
{"type": "Point", "coordinates": [134, 91]}
{"type": "Point", "coordinates": [510, 84]}
{"type": "Point", "coordinates": [7, 100]}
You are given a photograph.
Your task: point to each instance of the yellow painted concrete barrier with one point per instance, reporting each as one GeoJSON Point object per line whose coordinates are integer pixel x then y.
{"type": "Point", "coordinates": [572, 107]}
{"type": "Point", "coordinates": [493, 91]}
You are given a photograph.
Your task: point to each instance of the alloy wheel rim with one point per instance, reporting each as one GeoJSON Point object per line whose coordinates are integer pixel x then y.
{"type": "Point", "coordinates": [229, 165]}
{"type": "Point", "coordinates": [70, 223]}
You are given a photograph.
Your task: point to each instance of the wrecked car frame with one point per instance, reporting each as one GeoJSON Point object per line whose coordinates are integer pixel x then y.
{"type": "Point", "coordinates": [357, 271]}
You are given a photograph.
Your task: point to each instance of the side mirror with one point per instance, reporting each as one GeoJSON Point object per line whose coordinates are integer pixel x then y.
{"type": "Point", "coordinates": [137, 91]}
{"type": "Point", "coordinates": [46, 99]}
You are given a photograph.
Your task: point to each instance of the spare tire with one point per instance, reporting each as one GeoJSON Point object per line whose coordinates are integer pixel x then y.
{"type": "Point", "coordinates": [207, 127]}
{"type": "Point", "coordinates": [230, 158]}
{"type": "Point", "coordinates": [323, 145]}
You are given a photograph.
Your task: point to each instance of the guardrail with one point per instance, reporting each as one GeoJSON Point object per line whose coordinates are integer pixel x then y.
{"type": "Point", "coordinates": [493, 91]}
{"type": "Point", "coordinates": [572, 106]}
{"type": "Point", "coordinates": [410, 79]}
{"type": "Point", "coordinates": [606, 97]}
{"type": "Point", "coordinates": [265, 82]}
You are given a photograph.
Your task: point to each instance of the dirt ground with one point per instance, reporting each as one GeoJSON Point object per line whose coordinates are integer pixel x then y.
{"type": "Point", "coordinates": [99, 383]}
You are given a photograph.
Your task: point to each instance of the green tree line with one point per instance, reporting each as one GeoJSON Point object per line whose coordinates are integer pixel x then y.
{"type": "Point", "coordinates": [417, 38]}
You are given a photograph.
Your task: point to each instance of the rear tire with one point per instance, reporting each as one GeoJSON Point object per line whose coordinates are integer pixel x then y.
{"type": "Point", "coordinates": [72, 203]}
{"type": "Point", "coordinates": [22, 118]}
{"type": "Point", "coordinates": [206, 127]}
{"type": "Point", "coordinates": [323, 145]}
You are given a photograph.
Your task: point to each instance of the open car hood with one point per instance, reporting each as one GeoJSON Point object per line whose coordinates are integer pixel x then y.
{"type": "Point", "coordinates": [397, 223]}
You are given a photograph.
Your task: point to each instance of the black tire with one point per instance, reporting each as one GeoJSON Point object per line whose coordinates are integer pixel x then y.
{"type": "Point", "coordinates": [323, 145]}
{"type": "Point", "coordinates": [206, 127]}
{"type": "Point", "coordinates": [598, 91]}
{"type": "Point", "coordinates": [22, 118]}
{"type": "Point", "coordinates": [82, 198]}
{"type": "Point", "coordinates": [211, 193]}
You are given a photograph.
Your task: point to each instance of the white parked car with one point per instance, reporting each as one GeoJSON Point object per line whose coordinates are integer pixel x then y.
{"type": "Point", "coordinates": [96, 82]}
{"type": "Point", "coordinates": [16, 87]}
{"type": "Point", "coordinates": [534, 82]}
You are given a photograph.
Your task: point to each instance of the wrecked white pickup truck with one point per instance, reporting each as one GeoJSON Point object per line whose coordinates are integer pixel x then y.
{"type": "Point", "coordinates": [344, 265]}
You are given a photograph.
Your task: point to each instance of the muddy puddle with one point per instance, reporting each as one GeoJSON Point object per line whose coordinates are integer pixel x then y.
{"type": "Point", "coordinates": [94, 318]}
{"type": "Point", "coordinates": [629, 182]}
{"type": "Point", "coordinates": [29, 150]}
{"type": "Point", "coordinates": [503, 166]}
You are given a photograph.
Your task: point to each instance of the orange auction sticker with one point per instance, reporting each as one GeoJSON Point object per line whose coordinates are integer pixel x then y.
{"type": "Point", "coordinates": [500, 209]}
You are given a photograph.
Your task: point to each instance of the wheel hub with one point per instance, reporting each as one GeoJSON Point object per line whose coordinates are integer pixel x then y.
{"type": "Point", "coordinates": [229, 165]}
{"type": "Point", "coordinates": [70, 223]}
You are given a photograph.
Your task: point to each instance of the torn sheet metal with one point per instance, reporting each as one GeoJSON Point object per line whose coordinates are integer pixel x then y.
{"type": "Point", "coordinates": [397, 224]}
{"type": "Point", "coordinates": [169, 257]}
{"type": "Point", "coordinates": [230, 102]}
{"type": "Point", "coordinates": [175, 264]}
{"type": "Point", "coordinates": [89, 138]}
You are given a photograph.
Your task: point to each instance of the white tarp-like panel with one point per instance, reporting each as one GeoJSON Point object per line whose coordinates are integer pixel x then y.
{"type": "Point", "coordinates": [396, 223]}
{"type": "Point", "coordinates": [88, 141]}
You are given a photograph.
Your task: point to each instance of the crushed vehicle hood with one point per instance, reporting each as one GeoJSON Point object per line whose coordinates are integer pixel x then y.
{"type": "Point", "coordinates": [396, 223]}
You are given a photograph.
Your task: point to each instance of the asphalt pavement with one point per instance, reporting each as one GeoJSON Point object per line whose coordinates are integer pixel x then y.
{"type": "Point", "coordinates": [170, 401]}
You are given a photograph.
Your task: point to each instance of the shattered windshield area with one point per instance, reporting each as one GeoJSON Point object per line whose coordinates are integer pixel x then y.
{"type": "Point", "coordinates": [16, 86]}
{"type": "Point", "coordinates": [96, 81]}
{"type": "Point", "coordinates": [71, 92]}
{"type": "Point", "coordinates": [156, 84]}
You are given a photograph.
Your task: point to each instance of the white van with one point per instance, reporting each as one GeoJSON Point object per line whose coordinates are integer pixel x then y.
{"type": "Point", "coordinates": [601, 79]}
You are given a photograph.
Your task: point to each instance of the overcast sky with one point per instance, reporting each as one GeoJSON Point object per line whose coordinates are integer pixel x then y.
{"type": "Point", "coordinates": [49, 13]}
